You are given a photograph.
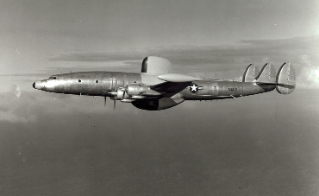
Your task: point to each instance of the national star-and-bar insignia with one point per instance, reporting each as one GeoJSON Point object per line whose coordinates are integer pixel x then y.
{"type": "Point", "coordinates": [194, 88]}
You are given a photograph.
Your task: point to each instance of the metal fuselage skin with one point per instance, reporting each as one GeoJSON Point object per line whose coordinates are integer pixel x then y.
{"type": "Point", "coordinates": [103, 83]}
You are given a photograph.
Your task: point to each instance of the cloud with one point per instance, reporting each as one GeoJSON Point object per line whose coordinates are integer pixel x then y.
{"type": "Point", "coordinates": [217, 61]}
{"type": "Point", "coordinates": [11, 116]}
{"type": "Point", "coordinates": [25, 106]}
{"type": "Point", "coordinates": [13, 109]}
{"type": "Point", "coordinates": [309, 74]}
{"type": "Point", "coordinates": [17, 91]}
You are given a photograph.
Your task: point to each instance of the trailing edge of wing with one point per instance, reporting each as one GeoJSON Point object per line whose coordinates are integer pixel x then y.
{"type": "Point", "coordinates": [173, 77]}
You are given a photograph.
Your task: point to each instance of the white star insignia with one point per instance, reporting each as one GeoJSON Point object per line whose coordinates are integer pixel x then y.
{"type": "Point", "coordinates": [194, 88]}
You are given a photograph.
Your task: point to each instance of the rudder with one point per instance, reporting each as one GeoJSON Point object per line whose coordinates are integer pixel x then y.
{"type": "Point", "coordinates": [250, 73]}
{"type": "Point", "coordinates": [286, 79]}
{"type": "Point", "coordinates": [267, 74]}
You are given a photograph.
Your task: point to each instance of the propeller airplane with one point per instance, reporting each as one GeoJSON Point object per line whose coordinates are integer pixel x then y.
{"type": "Point", "coordinates": [157, 88]}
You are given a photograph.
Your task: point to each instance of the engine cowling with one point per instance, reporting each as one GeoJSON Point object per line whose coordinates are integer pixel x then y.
{"type": "Point", "coordinates": [140, 89]}
{"type": "Point", "coordinates": [121, 94]}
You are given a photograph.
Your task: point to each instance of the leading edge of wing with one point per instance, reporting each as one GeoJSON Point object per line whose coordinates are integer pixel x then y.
{"type": "Point", "coordinates": [174, 83]}
{"type": "Point", "coordinates": [174, 77]}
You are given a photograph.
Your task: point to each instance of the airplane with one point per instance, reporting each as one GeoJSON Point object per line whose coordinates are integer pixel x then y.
{"type": "Point", "coordinates": [158, 88]}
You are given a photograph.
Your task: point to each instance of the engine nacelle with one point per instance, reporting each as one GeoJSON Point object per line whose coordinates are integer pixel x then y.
{"type": "Point", "coordinates": [140, 89]}
{"type": "Point", "coordinates": [120, 94]}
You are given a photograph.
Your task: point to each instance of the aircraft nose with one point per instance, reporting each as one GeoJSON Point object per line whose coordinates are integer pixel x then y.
{"type": "Point", "coordinates": [37, 85]}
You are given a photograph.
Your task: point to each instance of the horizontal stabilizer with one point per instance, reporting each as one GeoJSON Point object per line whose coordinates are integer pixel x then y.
{"type": "Point", "coordinates": [286, 79]}
{"type": "Point", "coordinates": [251, 73]}
{"type": "Point", "coordinates": [173, 77]}
{"type": "Point", "coordinates": [267, 74]}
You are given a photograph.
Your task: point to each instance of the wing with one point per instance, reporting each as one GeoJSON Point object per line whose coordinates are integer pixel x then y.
{"type": "Point", "coordinates": [155, 70]}
{"type": "Point", "coordinates": [170, 87]}
{"type": "Point", "coordinates": [174, 83]}
{"type": "Point", "coordinates": [155, 73]}
{"type": "Point", "coordinates": [159, 88]}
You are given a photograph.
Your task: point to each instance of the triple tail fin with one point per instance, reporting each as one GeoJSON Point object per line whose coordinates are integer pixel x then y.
{"type": "Point", "coordinates": [250, 73]}
{"type": "Point", "coordinates": [286, 79]}
{"type": "Point", "coordinates": [267, 75]}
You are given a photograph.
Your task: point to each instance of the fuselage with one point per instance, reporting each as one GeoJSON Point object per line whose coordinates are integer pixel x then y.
{"type": "Point", "coordinates": [156, 87]}
{"type": "Point", "coordinates": [106, 83]}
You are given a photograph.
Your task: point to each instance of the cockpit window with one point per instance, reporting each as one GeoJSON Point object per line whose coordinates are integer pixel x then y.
{"type": "Point", "coordinates": [52, 77]}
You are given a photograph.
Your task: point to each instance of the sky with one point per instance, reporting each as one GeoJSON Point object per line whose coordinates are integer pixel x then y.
{"type": "Point", "coordinates": [52, 144]}
{"type": "Point", "coordinates": [45, 37]}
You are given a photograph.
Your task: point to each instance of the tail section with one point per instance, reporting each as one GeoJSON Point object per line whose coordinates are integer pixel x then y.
{"type": "Point", "coordinates": [267, 75]}
{"type": "Point", "coordinates": [286, 79]}
{"type": "Point", "coordinates": [250, 73]}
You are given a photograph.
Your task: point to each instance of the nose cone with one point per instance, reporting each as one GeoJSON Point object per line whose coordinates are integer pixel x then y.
{"type": "Point", "coordinates": [37, 85]}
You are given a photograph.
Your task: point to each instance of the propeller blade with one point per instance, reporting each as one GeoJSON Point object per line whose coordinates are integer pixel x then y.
{"type": "Point", "coordinates": [112, 84]}
{"type": "Point", "coordinates": [114, 104]}
{"type": "Point", "coordinates": [104, 101]}
{"type": "Point", "coordinates": [123, 94]}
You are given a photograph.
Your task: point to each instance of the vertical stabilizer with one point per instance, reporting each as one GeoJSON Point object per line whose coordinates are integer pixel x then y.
{"type": "Point", "coordinates": [286, 79]}
{"type": "Point", "coordinates": [250, 73]}
{"type": "Point", "coordinates": [267, 74]}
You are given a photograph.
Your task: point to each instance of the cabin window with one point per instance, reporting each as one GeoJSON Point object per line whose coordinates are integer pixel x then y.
{"type": "Point", "coordinates": [79, 80]}
{"type": "Point", "coordinates": [52, 77]}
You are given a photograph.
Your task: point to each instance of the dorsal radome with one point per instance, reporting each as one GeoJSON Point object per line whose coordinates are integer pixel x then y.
{"type": "Point", "coordinates": [154, 65]}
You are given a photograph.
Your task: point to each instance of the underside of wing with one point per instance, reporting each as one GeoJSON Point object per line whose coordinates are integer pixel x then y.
{"type": "Point", "coordinates": [170, 87]}
{"type": "Point", "coordinates": [159, 88]}
{"type": "Point", "coordinates": [157, 77]}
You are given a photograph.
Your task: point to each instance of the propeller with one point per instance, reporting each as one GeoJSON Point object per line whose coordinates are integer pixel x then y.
{"type": "Point", "coordinates": [112, 89]}
{"type": "Point", "coordinates": [112, 84]}
{"type": "Point", "coordinates": [104, 101]}
{"type": "Point", "coordinates": [124, 91]}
